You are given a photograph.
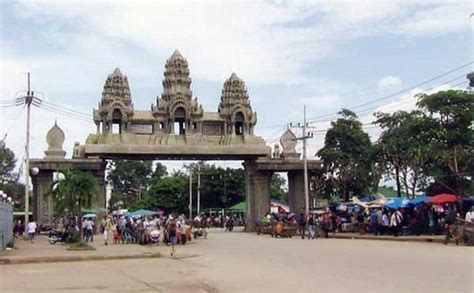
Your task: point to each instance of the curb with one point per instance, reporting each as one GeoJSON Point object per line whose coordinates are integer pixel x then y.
{"type": "Point", "coordinates": [399, 239]}
{"type": "Point", "coordinates": [49, 259]}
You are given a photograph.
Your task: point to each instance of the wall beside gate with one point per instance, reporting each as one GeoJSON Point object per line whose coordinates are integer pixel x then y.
{"type": "Point", "coordinates": [6, 220]}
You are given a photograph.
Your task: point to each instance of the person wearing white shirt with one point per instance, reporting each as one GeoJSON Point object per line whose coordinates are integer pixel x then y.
{"type": "Point", "coordinates": [31, 231]}
{"type": "Point", "coordinates": [470, 215]}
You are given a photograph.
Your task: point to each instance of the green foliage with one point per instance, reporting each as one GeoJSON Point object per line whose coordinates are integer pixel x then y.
{"type": "Point", "coordinates": [7, 165]}
{"type": "Point", "coordinates": [169, 194]}
{"type": "Point", "coordinates": [77, 190]}
{"type": "Point", "coordinates": [278, 188]}
{"type": "Point", "coordinates": [160, 172]}
{"type": "Point", "coordinates": [403, 148]}
{"type": "Point", "coordinates": [470, 76]}
{"type": "Point", "coordinates": [130, 179]}
{"type": "Point", "coordinates": [347, 154]}
{"type": "Point", "coordinates": [219, 188]}
{"type": "Point", "coordinates": [9, 179]}
{"type": "Point", "coordinates": [451, 114]}
{"type": "Point", "coordinates": [389, 192]}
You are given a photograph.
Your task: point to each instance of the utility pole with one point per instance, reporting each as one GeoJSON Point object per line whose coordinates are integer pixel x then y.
{"type": "Point", "coordinates": [190, 195]}
{"type": "Point", "coordinates": [306, 135]}
{"type": "Point", "coordinates": [199, 190]}
{"type": "Point", "coordinates": [28, 100]}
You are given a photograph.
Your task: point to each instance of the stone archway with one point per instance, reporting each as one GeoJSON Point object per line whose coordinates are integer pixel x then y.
{"type": "Point", "coordinates": [116, 123]}
{"type": "Point", "coordinates": [239, 123]}
{"type": "Point", "coordinates": [179, 123]}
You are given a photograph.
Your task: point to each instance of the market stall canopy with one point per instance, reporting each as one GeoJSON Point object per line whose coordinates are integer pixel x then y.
{"type": "Point", "coordinates": [142, 212]}
{"type": "Point", "coordinates": [368, 198]}
{"type": "Point", "coordinates": [397, 202]}
{"type": "Point", "coordinates": [240, 207]}
{"type": "Point", "coordinates": [443, 198]}
{"type": "Point", "coordinates": [120, 212]}
{"type": "Point", "coordinates": [357, 201]}
{"type": "Point", "coordinates": [89, 216]}
{"type": "Point", "coordinates": [419, 200]}
{"type": "Point", "coordinates": [375, 203]}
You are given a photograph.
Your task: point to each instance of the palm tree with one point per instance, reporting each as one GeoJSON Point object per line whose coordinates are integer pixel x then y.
{"type": "Point", "coordinates": [75, 191]}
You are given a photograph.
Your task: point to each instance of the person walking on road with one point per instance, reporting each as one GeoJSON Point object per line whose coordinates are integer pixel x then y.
{"type": "Point", "coordinates": [311, 227]}
{"type": "Point", "coordinates": [32, 231]}
{"type": "Point", "coordinates": [90, 230]}
{"type": "Point", "coordinates": [470, 216]}
{"type": "Point", "coordinates": [106, 227]}
{"type": "Point", "coordinates": [449, 225]}
{"type": "Point", "coordinates": [172, 233]}
{"type": "Point", "coordinates": [385, 223]}
{"type": "Point", "coordinates": [374, 223]}
{"type": "Point", "coordinates": [396, 222]}
{"type": "Point", "coordinates": [302, 225]}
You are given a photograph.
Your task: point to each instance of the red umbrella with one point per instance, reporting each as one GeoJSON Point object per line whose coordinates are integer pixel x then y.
{"type": "Point", "coordinates": [443, 198]}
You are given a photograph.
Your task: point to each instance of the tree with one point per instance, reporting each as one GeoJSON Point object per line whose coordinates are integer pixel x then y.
{"type": "Point", "coordinates": [220, 188]}
{"type": "Point", "coordinates": [278, 188]}
{"type": "Point", "coordinates": [159, 172]}
{"type": "Point", "coordinates": [451, 114]}
{"type": "Point", "coordinates": [9, 179]}
{"type": "Point", "coordinates": [168, 193]}
{"type": "Point", "coordinates": [7, 165]}
{"type": "Point", "coordinates": [470, 76]}
{"type": "Point", "coordinates": [75, 191]}
{"type": "Point", "coordinates": [402, 148]}
{"type": "Point", "coordinates": [130, 179]}
{"type": "Point", "coordinates": [346, 155]}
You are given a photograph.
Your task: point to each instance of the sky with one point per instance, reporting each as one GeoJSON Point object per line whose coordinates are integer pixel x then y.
{"type": "Point", "coordinates": [322, 54]}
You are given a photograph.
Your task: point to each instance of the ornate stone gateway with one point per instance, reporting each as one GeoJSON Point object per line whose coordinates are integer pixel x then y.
{"type": "Point", "coordinates": [175, 127]}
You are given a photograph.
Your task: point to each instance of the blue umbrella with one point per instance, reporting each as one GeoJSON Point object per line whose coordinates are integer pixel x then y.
{"type": "Point", "coordinates": [419, 200]}
{"type": "Point", "coordinates": [397, 202]}
{"type": "Point", "coordinates": [142, 212]}
{"type": "Point", "coordinates": [367, 198]}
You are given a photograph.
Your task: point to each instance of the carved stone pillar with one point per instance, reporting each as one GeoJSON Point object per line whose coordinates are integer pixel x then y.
{"type": "Point", "coordinates": [257, 193]}
{"type": "Point", "coordinates": [296, 192]}
{"type": "Point", "coordinates": [101, 201]}
{"type": "Point", "coordinates": [42, 205]}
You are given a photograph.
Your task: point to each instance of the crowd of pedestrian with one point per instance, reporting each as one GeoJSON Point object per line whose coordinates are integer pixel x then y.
{"type": "Point", "coordinates": [425, 219]}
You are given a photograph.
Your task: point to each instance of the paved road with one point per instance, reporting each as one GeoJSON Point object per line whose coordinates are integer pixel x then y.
{"type": "Point", "coordinates": [240, 262]}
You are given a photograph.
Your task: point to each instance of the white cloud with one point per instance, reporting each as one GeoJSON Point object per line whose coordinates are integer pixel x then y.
{"type": "Point", "coordinates": [263, 42]}
{"type": "Point", "coordinates": [389, 83]}
{"type": "Point", "coordinates": [322, 102]}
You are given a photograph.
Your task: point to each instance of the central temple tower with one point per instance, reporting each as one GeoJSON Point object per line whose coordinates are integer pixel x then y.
{"type": "Point", "coordinates": [176, 110]}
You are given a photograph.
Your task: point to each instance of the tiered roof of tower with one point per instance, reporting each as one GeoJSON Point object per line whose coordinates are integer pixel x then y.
{"type": "Point", "coordinates": [234, 91]}
{"type": "Point", "coordinates": [177, 89]}
{"type": "Point", "coordinates": [235, 98]}
{"type": "Point", "coordinates": [177, 80]}
{"type": "Point", "coordinates": [116, 88]}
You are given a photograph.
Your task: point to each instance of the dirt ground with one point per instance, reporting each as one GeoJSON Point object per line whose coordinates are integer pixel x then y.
{"type": "Point", "coordinates": [241, 262]}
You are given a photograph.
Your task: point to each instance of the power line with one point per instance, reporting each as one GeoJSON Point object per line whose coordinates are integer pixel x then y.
{"type": "Point", "coordinates": [64, 109]}
{"type": "Point", "coordinates": [334, 115]}
{"type": "Point", "coordinates": [416, 86]}
{"type": "Point", "coordinates": [13, 122]}
{"type": "Point", "coordinates": [64, 113]}
{"type": "Point", "coordinates": [403, 90]}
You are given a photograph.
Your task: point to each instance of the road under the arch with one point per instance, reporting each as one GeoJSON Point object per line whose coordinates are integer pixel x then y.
{"type": "Point", "coordinates": [244, 262]}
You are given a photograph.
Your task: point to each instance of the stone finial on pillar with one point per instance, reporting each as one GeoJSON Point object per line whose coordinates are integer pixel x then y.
{"type": "Point", "coordinates": [55, 139]}
{"type": "Point", "coordinates": [288, 143]}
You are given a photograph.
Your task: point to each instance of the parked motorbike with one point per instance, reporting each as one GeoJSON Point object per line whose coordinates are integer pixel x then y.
{"type": "Point", "coordinates": [57, 236]}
